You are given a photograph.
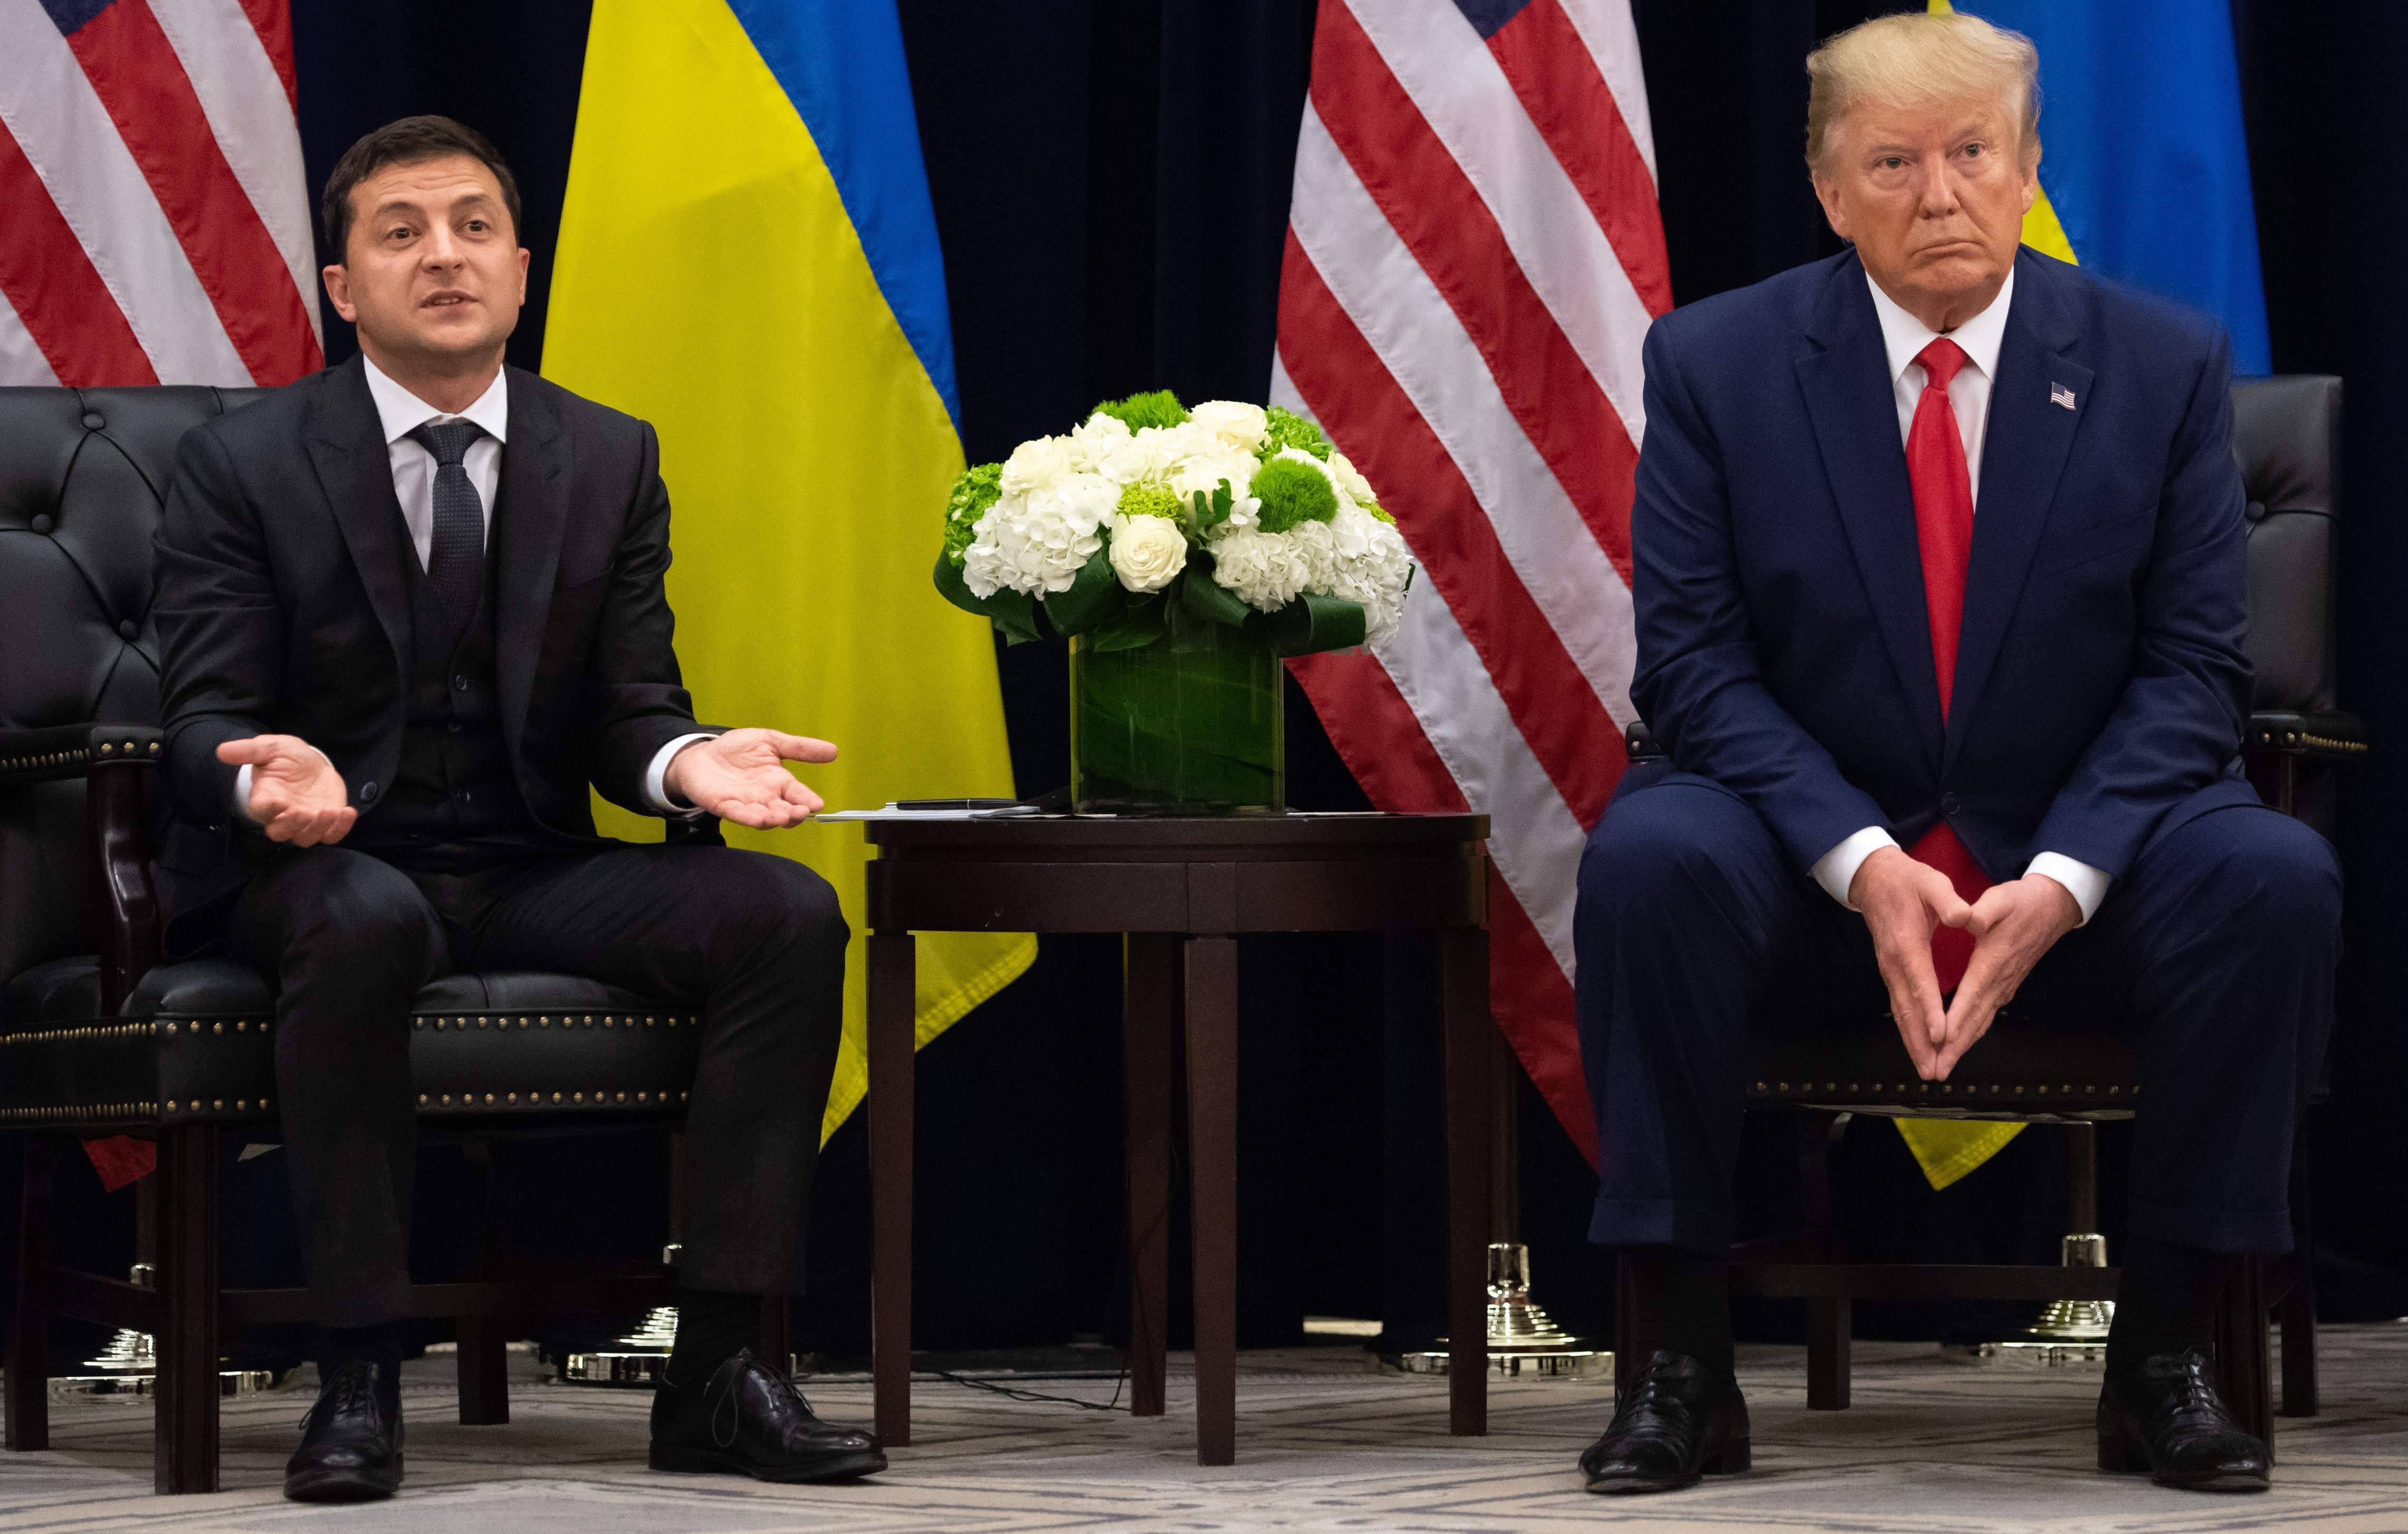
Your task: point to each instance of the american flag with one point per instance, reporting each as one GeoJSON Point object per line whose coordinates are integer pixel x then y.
{"type": "Point", "coordinates": [157, 215]}
{"type": "Point", "coordinates": [1473, 257]}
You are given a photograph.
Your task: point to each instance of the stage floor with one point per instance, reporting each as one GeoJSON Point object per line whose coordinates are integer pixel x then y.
{"type": "Point", "coordinates": [1325, 1443]}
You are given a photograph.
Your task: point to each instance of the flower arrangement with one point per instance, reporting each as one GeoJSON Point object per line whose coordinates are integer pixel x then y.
{"type": "Point", "coordinates": [1149, 518]}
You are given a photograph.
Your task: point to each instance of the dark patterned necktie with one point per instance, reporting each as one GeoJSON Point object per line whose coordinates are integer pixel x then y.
{"type": "Point", "coordinates": [455, 554]}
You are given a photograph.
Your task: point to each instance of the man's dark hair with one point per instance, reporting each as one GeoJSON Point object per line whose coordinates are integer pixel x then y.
{"type": "Point", "coordinates": [404, 142]}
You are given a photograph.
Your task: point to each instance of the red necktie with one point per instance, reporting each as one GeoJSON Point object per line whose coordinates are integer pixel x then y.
{"type": "Point", "coordinates": [1943, 530]}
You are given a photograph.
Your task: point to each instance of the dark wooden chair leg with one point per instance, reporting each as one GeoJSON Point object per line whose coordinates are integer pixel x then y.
{"type": "Point", "coordinates": [2299, 1317]}
{"type": "Point", "coordinates": [892, 958]}
{"type": "Point", "coordinates": [1149, 1014]}
{"type": "Point", "coordinates": [2244, 1358]}
{"type": "Point", "coordinates": [1830, 1323]}
{"type": "Point", "coordinates": [1212, 1011]}
{"type": "Point", "coordinates": [186, 1458]}
{"type": "Point", "coordinates": [1625, 1347]}
{"type": "Point", "coordinates": [484, 1347]}
{"type": "Point", "coordinates": [2299, 1303]}
{"type": "Point", "coordinates": [28, 1361]}
{"type": "Point", "coordinates": [1470, 1073]}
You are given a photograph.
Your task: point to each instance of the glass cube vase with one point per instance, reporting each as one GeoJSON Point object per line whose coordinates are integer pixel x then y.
{"type": "Point", "coordinates": [1190, 725]}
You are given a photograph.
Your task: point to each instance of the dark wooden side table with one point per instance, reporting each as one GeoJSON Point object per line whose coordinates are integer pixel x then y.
{"type": "Point", "coordinates": [1181, 890]}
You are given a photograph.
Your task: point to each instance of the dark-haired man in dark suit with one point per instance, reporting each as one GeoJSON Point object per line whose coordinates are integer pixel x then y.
{"type": "Point", "coordinates": [412, 608]}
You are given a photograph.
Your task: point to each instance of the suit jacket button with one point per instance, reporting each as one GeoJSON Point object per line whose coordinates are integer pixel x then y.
{"type": "Point", "coordinates": [1948, 804]}
{"type": "Point", "coordinates": [368, 792]}
{"type": "Point", "coordinates": [459, 684]}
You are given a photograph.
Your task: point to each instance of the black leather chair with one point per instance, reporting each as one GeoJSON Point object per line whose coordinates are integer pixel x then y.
{"type": "Point", "coordinates": [97, 1037]}
{"type": "Point", "coordinates": [2287, 435]}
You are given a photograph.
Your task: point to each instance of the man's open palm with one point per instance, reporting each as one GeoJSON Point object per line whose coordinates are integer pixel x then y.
{"type": "Point", "coordinates": [741, 776]}
{"type": "Point", "coordinates": [296, 796]}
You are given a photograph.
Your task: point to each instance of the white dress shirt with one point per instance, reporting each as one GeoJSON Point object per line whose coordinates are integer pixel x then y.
{"type": "Point", "coordinates": [399, 412]}
{"type": "Point", "coordinates": [1905, 337]}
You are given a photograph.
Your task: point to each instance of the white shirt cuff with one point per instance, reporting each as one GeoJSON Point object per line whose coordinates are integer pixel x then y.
{"type": "Point", "coordinates": [1836, 870]}
{"type": "Point", "coordinates": [2086, 884]}
{"type": "Point", "coordinates": [656, 793]}
{"type": "Point", "coordinates": [242, 791]}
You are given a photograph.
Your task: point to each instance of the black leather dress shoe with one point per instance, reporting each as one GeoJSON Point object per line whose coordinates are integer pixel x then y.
{"type": "Point", "coordinates": [351, 1440]}
{"type": "Point", "coordinates": [2166, 1418]}
{"type": "Point", "coordinates": [749, 1419]}
{"type": "Point", "coordinates": [1681, 1421]}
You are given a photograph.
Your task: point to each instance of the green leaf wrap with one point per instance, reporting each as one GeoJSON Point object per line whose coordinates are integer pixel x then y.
{"type": "Point", "coordinates": [1310, 625]}
{"type": "Point", "coordinates": [1010, 612]}
{"type": "Point", "coordinates": [1208, 598]}
{"type": "Point", "coordinates": [1095, 597]}
{"type": "Point", "coordinates": [1140, 624]}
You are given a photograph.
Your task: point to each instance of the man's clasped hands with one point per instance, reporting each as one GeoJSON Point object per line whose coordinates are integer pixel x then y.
{"type": "Point", "coordinates": [1904, 901]}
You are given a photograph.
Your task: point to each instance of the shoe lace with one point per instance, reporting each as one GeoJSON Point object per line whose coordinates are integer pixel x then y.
{"type": "Point", "coordinates": [1652, 1399]}
{"type": "Point", "coordinates": [2199, 1405]}
{"type": "Point", "coordinates": [351, 1387]}
{"type": "Point", "coordinates": [721, 1393]}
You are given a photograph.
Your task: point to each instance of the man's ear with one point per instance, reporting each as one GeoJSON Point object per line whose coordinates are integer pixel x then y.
{"type": "Point", "coordinates": [1826, 192]}
{"type": "Point", "coordinates": [338, 279]}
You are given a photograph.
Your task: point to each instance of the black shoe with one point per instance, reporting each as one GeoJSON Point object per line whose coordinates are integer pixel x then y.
{"type": "Point", "coordinates": [2166, 1418]}
{"type": "Point", "coordinates": [749, 1419]}
{"type": "Point", "coordinates": [351, 1440]}
{"type": "Point", "coordinates": [1681, 1421]}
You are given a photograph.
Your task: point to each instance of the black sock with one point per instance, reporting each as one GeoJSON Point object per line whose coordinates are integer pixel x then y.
{"type": "Point", "coordinates": [710, 1327]}
{"type": "Point", "coordinates": [1680, 1302]}
{"type": "Point", "coordinates": [2166, 1303]}
{"type": "Point", "coordinates": [378, 1345]}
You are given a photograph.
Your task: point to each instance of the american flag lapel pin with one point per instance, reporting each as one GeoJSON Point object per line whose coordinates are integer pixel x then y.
{"type": "Point", "coordinates": [2059, 394]}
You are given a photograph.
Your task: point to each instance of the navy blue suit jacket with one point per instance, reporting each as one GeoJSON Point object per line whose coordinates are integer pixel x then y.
{"type": "Point", "coordinates": [1784, 648]}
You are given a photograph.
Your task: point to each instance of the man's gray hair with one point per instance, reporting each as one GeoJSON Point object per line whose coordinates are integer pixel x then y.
{"type": "Point", "coordinates": [1916, 61]}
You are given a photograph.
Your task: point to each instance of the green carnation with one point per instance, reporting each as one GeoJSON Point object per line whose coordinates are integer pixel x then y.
{"type": "Point", "coordinates": [1375, 509]}
{"type": "Point", "coordinates": [1148, 500]}
{"type": "Point", "coordinates": [979, 487]}
{"type": "Point", "coordinates": [1286, 429]}
{"type": "Point", "coordinates": [1139, 411]}
{"type": "Point", "coordinates": [1293, 493]}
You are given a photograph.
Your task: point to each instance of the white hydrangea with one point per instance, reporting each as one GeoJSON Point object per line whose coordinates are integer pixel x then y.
{"type": "Point", "coordinates": [1370, 564]}
{"type": "Point", "coordinates": [1266, 571]}
{"type": "Point", "coordinates": [1103, 444]}
{"type": "Point", "coordinates": [1035, 540]}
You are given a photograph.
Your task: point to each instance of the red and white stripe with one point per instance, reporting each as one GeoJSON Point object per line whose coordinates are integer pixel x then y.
{"type": "Point", "coordinates": [1473, 257]}
{"type": "Point", "coordinates": [158, 227]}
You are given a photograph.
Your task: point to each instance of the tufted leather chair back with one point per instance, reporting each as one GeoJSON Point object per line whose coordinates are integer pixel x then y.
{"type": "Point", "coordinates": [84, 477]}
{"type": "Point", "coordinates": [2286, 435]}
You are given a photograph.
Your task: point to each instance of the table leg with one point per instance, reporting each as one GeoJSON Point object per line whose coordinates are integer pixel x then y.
{"type": "Point", "coordinates": [1471, 1043]}
{"type": "Point", "coordinates": [1212, 995]}
{"type": "Point", "coordinates": [892, 1033]}
{"type": "Point", "coordinates": [1149, 1010]}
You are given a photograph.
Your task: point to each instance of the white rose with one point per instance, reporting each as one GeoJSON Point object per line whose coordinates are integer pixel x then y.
{"type": "Point", "coordinates": [1235, 423]}
{"type": "Point", "coordinates": [1147, 552]}
{"type": "Point", "coordinates": [1350, 479]}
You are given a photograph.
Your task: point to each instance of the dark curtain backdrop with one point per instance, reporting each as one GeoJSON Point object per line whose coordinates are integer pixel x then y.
{"type": "Point", "coordinates": [1110, 183]}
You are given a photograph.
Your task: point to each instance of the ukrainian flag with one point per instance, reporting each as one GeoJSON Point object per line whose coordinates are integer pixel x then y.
{"type": "Point", "coordinates": [2143, 178]}
{"type": "Point", "coordinates": [748, 260]}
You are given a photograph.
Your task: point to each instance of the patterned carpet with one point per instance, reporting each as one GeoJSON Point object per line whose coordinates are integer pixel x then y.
{"type": "Point", "coordinates": [1325, 1443]}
